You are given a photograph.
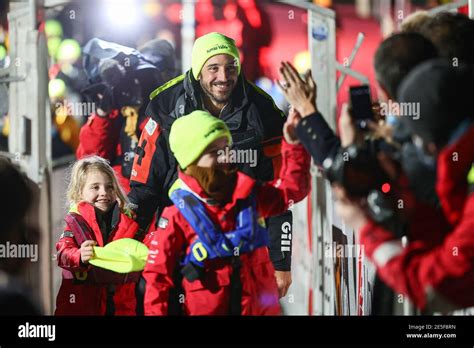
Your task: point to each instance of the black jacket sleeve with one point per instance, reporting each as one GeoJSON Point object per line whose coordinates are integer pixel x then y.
{"type": "Point", "coordinates": [272, 122]}
{"type": "Point", "coordinates": [280, 255]}
{"type": "Point", "coordinates": [280, 252]}
{"type": "Point", "coordinates": [318, 138]}
{"type": "Point", "coordinates": [280, 233]}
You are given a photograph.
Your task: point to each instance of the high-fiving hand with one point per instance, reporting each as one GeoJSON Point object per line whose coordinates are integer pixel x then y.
{"type": "Point", "coordinates": [298, 92]}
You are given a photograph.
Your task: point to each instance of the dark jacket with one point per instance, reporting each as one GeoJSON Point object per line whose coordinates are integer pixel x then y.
{"type": "Point", "coordinates": [255, 123]}
{"type": "Point", "coordinates": [318, 138]}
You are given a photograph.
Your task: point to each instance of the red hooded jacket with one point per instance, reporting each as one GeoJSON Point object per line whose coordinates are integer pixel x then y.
{"type": "Point", "coordinates": [211, 295]}
{"type": "Point", "coordinates": [90, 299]}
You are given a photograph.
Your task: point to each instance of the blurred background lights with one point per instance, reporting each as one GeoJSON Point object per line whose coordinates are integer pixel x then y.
{"type": "Point", "coordinates": [386, 188]}
{"type": "Point", "coordinates": [121, 13]}
{"type": "Point", "coordinates": [302, 61]}
{"type": "Point", "coordinates": [68, 51]}
{"type": "Point", "coordinates": [56, 89]}
{"type": "Point", "coordinates": [152, 8]}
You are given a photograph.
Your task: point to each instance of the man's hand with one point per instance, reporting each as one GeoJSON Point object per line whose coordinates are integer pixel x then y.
{"type": "Point", "coordinates": [301, 94]}
{"type": "Point", "coordinates": [283, 282]}
{"type": "Point", "coordinates": [289, 128]}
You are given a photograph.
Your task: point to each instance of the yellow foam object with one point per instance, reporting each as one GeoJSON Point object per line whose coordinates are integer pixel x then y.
{"type": "Point", "coordinates": [122, 256]}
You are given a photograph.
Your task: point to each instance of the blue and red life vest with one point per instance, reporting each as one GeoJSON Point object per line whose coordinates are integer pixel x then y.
{"type": "Point", "coordinates": [211, 242]}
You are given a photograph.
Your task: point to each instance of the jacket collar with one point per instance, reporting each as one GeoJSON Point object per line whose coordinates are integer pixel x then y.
{"type": "Point", "coordinates": [88, 212]}
{"type": "Point", "coordinates": [243, 188]}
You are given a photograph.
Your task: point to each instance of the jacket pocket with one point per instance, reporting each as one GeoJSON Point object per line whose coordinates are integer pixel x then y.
{"type": "Point", "coordinates": [214, 278]}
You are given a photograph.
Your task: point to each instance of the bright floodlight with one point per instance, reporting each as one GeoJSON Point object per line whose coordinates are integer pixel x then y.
{"type": "Point", "coordinates": [121, 13]}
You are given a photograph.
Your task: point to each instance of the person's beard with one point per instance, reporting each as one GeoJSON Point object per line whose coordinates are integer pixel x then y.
{"type": "Point", "coordinates": [218, 182]}
{"type": "Point", "coordinates": [216, 99]}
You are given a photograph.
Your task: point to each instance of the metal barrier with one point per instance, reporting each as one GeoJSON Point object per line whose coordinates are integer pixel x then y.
{"type": "Point", "coordinates": [30, 126]}
{"type": "Point", "coordinates": [326, 279]}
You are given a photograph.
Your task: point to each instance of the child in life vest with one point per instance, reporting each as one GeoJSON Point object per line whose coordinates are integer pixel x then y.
{"type": "Point", "coordinates": [97, 216]}
{"type": "Point", "coordinates": [215, 233]}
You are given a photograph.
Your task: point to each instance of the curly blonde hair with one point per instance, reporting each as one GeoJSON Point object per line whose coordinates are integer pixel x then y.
{"type": "Point", "coordinates": [79, 171]}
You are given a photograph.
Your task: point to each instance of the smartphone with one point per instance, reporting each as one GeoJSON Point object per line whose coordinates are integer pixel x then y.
{"type": "Point", "coordinates": [361, 105]}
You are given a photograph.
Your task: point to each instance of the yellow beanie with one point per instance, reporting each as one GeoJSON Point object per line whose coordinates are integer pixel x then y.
{"type": "Point", "coordinates": [211, 45]}
{"type": "Point", "coordinates": [190, 135]}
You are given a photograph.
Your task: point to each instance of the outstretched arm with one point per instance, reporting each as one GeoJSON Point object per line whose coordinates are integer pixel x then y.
{"type": "Point", "coordinates": [294, 181]}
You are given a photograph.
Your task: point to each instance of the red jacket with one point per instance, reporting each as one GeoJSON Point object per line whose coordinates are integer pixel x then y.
{"type": "Point", "coordinates": [210, 296]}
{"type": "Point", "coordinates": [436, 278]}
{"type": "Point", "coordinates": [86, 299]}
{"type": "Point", "coordinates": [102, 136]}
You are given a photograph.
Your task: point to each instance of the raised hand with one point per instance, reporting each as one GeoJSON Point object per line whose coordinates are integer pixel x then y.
{"type": "Point", "coordinates": [289, 128]}
{"type": "Point", "coordinates": [301, 93]}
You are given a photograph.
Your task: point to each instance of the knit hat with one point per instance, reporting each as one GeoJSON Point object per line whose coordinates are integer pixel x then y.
{"type": "Point", "coordinates": [122, 256]}
{"type": "Point", "coordinates": [444, 97]}
{"type": "Point", "coordinates": [190, 135]}
{"type": "Point", "coordinates": [211, 45]}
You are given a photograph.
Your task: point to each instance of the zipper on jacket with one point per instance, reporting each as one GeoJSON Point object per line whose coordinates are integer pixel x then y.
{"type": "Point", "coordinates": [222, 110]}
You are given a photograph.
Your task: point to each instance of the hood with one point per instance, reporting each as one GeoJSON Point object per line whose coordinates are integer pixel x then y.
{"type": "Point", "coordinates": [454, 163]}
